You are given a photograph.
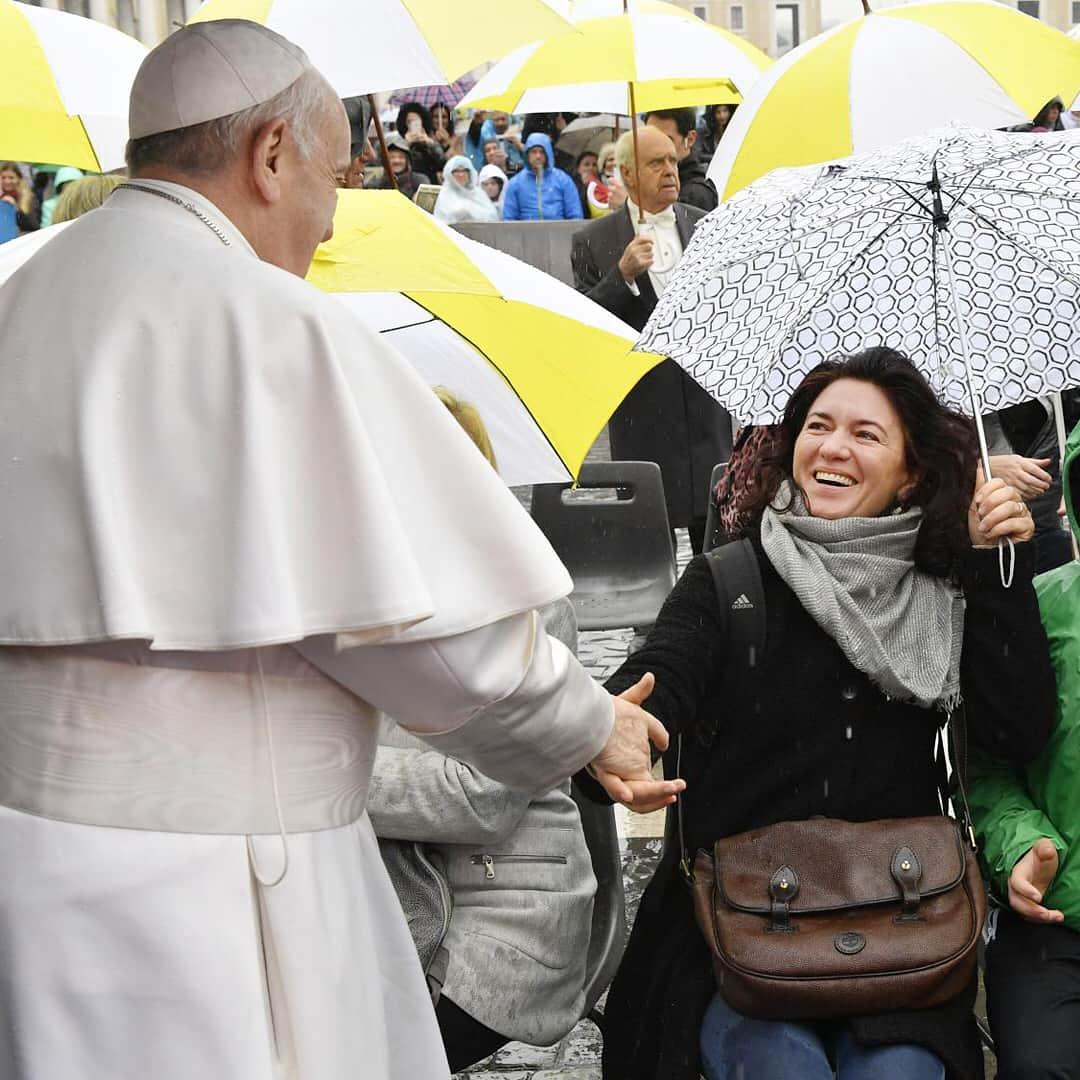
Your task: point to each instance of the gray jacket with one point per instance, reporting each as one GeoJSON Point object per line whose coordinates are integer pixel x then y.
{"type": "Point", "coordinates": [502, 878]}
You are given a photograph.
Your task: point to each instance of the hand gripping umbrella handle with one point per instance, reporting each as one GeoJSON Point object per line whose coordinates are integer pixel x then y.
{"type": "Point", "coordinates": [942, 226]}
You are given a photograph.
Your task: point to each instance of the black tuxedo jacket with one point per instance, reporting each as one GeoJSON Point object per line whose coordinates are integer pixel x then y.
{"type": "Point", "coordinates": [667, 417]}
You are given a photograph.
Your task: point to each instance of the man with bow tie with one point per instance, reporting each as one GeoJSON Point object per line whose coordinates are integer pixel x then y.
{"type": "Point", "coordinates": [624, 264]}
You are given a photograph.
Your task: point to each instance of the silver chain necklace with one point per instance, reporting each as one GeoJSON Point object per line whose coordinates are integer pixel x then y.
{"type": "Point", "coordinates": [209, 222]}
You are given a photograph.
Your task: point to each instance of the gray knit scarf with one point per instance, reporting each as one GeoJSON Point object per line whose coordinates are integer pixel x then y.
{"type": "Point", "coordinates": [856, 577]}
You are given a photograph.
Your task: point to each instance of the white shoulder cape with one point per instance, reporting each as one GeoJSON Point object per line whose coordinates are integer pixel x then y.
{"type": "Point", "coordinates": [203, 451]}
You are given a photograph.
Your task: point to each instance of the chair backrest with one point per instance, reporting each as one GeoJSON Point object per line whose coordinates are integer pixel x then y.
{"type": "Point", "coordinates": [608, 936]}
{"type": "Point", "coordinates": [618, 549]}
{"type": "Point", "coordinates": [426, 196]}
{"type": "Point", "coordinates": [711, 516]}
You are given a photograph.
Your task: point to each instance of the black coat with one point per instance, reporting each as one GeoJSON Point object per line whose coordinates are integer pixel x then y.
{"type": "Point", "coordinates": [667, 417]}
{"type": "Point", "coordinates": [695, 189]}
{"type": "Point", "coordinates": [807, 734]}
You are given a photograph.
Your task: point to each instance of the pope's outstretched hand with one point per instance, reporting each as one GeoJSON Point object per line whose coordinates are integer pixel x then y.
{"type": "Point", "coordinates": [624, 766]}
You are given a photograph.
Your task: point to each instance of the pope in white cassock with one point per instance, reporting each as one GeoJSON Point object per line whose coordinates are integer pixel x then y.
{"type": "Point", "coordinates": [234, 525]}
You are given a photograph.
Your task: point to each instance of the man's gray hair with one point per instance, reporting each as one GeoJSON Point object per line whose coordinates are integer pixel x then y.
{"type": "Point", "coordinates": [624, 155]}
{"type": "Point", "coordinates": [205, 149]}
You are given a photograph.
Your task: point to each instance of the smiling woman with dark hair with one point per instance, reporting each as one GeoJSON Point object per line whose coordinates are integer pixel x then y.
{"type": "Point", "coordinates": [883, 609]}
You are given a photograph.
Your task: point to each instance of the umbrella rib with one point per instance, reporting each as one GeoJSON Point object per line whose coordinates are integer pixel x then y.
{"type": "Point", "coordinates": [939, 336]}
{"type": "Point", "coordinates": [410, 325]}
{"type": "Point", "coordinates": [1020, 244]}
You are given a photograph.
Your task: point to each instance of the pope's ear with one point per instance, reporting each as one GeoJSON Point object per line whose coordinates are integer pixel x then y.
{"type": "Point", "coordinates": [267, 159]}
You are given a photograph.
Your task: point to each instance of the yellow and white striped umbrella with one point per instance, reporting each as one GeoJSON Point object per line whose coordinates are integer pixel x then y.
{"type": "Point", "coordinates": [64, 97]}
{"type": "Point", "coordinates": [374, 45]}
{"type": "Point", "coordinates": [893, 74]}
{"type": "Point", "coordinates": [672, 57]}
{"type": "Point", "coordinates": [545, 366]}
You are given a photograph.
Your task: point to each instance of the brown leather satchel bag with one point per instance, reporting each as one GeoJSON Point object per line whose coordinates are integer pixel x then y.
{"type": "Point", "coordinates": [828, 918]}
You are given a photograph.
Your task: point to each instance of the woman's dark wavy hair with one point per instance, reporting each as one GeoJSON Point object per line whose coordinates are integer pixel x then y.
{"type": "Point", "coordinates": [940, 447]}
{"type": "Point", "coordinates": [401, 125]}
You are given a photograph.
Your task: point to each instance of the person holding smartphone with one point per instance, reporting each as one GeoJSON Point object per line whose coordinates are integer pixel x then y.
{"type": "Point", "coordinates": [415, 125]}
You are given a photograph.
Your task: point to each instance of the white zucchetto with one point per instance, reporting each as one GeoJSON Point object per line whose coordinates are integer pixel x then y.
{"type": "Point", "coordinates": [209, 70]}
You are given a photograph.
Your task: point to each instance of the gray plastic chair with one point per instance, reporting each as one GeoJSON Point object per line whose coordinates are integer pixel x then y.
{"type": "Point", "coordinates": [607, 938]}
{"type": "Point", "coordinates": [618, 550]}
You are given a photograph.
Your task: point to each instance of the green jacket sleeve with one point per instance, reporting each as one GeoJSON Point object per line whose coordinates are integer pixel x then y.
{"type": "Point", "coordinates": [1007, 822]}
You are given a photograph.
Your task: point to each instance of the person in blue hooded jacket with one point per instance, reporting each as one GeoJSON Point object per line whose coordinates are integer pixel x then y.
{"type": "Point", "coordinates": [541, 192]}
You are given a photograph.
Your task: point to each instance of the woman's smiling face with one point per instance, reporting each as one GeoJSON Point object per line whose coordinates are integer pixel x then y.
{"type": "Point", "coordinates": [850, 457]}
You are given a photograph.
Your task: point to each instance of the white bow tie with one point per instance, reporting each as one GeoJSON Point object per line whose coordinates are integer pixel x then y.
{"type": "Point", "coordinates": [665, 217]}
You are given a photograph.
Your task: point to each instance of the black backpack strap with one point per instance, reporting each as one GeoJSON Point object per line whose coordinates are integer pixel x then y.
{"type": "Point", "coordinates": [740, 597]}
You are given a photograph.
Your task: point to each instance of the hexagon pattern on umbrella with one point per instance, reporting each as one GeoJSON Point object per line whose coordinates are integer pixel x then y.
{"type": "Point", "coordinates": [891, 75]}
{"type": "Point", "coordinates": [812, 263]}
{"type": "Point", "coordinates": [364, 48]}
{"type": "Point", "coordinates": [672, 57]}
{"type": "Point", "coordinates": [66, 86]}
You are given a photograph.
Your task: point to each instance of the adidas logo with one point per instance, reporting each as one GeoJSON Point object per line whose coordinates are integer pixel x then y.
{"type": "Point", "coordinates": [742, 603]}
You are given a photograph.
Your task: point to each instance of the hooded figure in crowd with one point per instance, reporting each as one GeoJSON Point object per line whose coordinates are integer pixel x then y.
{"type": "Point", "coordinates": [461, 197]}
{"type": "Point", "coordinates": [493, 181]}
{"type": "Point", "coordinates": [1027, 822]}
{"type": "Point", "coordinates": [541, 192]}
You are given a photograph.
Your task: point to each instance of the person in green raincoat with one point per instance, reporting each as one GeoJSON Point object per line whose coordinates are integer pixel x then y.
{"type": "Point", "coordinates": [1028, 825]}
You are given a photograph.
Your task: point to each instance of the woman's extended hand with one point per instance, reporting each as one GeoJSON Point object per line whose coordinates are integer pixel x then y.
{"type": "Point", "coordinates": [997, 511]}
{"type": "Point", "coordinates": [1027, 475]}
{"type": "Point", "coordinates": [1029, 880]}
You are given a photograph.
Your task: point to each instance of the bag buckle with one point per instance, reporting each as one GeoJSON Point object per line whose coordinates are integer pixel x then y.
{"type": "Point", "coordinates": [783, 888]}
{"type": "Point", "coordinates": [906, 871]}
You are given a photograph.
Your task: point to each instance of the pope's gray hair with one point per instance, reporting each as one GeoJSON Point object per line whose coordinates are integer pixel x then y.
{"type": "Point", "coordinates": [205, 149]}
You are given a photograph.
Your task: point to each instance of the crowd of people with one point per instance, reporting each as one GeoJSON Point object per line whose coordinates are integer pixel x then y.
{"type": "Point", "coordinates": [521, 167]}
{"type": "Point", "coordinates": [281, 657]}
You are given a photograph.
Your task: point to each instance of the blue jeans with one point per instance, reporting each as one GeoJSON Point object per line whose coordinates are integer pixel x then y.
{"type": "Point", "coordinates": [736, 1047]}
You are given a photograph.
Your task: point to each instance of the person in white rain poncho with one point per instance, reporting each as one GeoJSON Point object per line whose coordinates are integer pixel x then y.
{"type": "Point", "coordinates": [493, 182]}
{"type": "Point", "coordinates": [461, 198]}
{"type": "Point", "coordinates": [218, 493]}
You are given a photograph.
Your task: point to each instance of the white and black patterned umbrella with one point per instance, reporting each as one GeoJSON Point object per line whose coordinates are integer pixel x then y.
{"type": "Point", "coordinates": [960, 248]}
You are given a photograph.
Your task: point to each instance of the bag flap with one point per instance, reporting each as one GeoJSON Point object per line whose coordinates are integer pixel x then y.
{"type": "Point", "coordinates": [838, 864]}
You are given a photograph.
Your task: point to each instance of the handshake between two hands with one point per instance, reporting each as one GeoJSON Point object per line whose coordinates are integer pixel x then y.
{"type": "Point", "coordinates": [624, 766]}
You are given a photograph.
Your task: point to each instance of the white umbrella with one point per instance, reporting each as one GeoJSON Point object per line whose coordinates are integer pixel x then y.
{"type": "Point", "coordinates": [590, 133]}
{"type": "Point", "coordinates": [671, 57]}
{"type": "Point", "coordinates": [960, 248]}
{"type": "Point", "coordinates": [375, 45]}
